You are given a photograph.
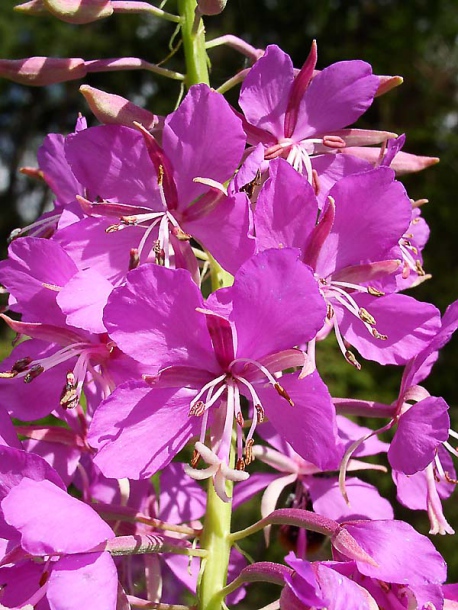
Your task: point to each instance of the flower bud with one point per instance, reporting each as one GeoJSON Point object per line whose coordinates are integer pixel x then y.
{"type": "Point", "coordinates": [211, 7]}
{"type": "Point", "coordinates": [110, 108]}
{"type": "Point", "coordinates": [79, 11]}
{"type": "Point", "coordinates": [40, 71]}
{"type": "Point", "coordinates": [33, 7]}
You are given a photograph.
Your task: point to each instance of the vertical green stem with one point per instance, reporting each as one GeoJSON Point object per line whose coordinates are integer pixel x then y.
{"type": "Point", "coordinates": [217, 523]}
{"type": "Point", "coordinates": [215, 539]}
{"type": "Point", "coordinates": [193, 35]}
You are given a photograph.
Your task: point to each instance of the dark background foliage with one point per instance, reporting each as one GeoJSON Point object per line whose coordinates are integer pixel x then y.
{"type": "Point", "coordinates": [418, 40]}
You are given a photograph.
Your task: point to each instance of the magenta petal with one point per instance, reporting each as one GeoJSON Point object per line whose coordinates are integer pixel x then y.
{"type": "Point", "coordinates": [335, 98]}
{"type": "Point", "coordinates": [182, 499]}
{"type": "Point", "coordinates": [276, 304]}
{"type": "Point", "coordinates": [372, 213]}
{"type": "Point", "coordinates": [408, 324]}
{"type": "Point", "coordinates": [343, 592]}
{"type": "Point", "coordinates": [153, 319]}
{"type": "Point", "coordinates": [286, 208]}
{"type": "Point", "coordinates": [202, 139]}
{"type": "Point", "coordinates": [15, 464]}
{"type": "Point", "coordinates": [63, 458]}
{"type": "Point", "coordinates": [303, 583]}
{"type": "Point", "coordinates": [365, 500]}
{"type": "Point", "coordinates": [225, 231]}
{"type": "Point", "coordinates": [83, 298]}
{"type": "Point", "coordinates": [265, 91]}
{"type": "Point", "coordinates": [421, 429]}
{"type": "Point", "coordinates": [332, 168]}
{"type": "Point", "coordinates": [419, 369]}
{"type": "Point", "coordinates": [56, 170]}
{"type": "Point", "coordinates": [75, 526]}
{"type": "Point", "coordinates": [88, 581]}
{"type": "Point", "coordinates": [393, 544]}
{"type": "Point", "coordinates": [245, 490]}
{"type": "Point", "coordinates": [8, 435]}
{"type": "Point", "coordinates": [29, 401]}
{"type": "Point", "coordinates": [89, 245]}
{"type": "Point", "coordinates": [112, 162]}
{"type": "Point", "coordinates": [309, 426]}
{"type": "Point", "coordinates": [20, 582]}
{"type": "Point", "coordinates": [138, 430]}
{"type": "Point", "coordinates": [34, 273]}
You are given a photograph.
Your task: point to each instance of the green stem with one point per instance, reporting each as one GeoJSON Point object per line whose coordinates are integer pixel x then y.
{"type": "Point", "coordinates": [217, 524]}
{"type": "Point", "coordinates": [215, 540]}
{"type": "Point", "coordinates": [193, 35]}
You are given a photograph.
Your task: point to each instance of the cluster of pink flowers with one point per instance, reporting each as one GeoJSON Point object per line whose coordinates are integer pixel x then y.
{"type": "Point", "coordinates": [134, 346]}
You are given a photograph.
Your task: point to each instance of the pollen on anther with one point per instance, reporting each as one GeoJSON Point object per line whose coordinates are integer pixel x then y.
{"type": "Point", "coordinates": [249, 451]}
{"type": "Point", "coordinates": [283, 393]}
{"type": "Point", "coordinates": [374, 292]}
{"type": "Point", "coordinates": [36, 370]}
{"type": "Point", "coordinates": [351, 358]}
{"type": "Point", "coordinates": [260, 414]}
{"type": "Point", "coordinates": [240, 464]}
{"type": "Point", "coordinates": [197, 409]}
{"type": "Point", "coordinates": [195, 458]}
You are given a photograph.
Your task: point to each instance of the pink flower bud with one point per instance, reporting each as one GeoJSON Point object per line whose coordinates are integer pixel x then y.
{"type": "Point", "coordinates": [33, 7]}
{"type": "Point", "coordinates": [79, 11]}
{"type": "Point", "coordinates": [39, 71]}
{"type": "Point", "coordinates": [211, 7]}
{"type": "Point", "coordinates": [110, 108]}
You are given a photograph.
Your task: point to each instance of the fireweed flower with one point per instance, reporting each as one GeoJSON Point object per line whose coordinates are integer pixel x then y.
{"type": "Point", "coordinates": [204, 356]}
{"type": "Point", "coordinates": [350, 249]}
{"type": "Point", "coordinates": [300, 118]}
{"type": "Point", "coordinates": [372, 560]}
{"type": "Point", "coordinates": [55, 558]}
{"type": "Point", "coordinates": [151, 199]}
{"type": "Point", "coordinates": [43, 543]}
{"type": "Point", "coordinates": [423, 425]}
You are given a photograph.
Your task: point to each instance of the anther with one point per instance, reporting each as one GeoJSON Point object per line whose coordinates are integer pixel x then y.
{"type": "Point", "coordinates": [283, 393]}
{"type": "Point", "coordinates": [160, 175]}
{"type": "Point", "coordinates": [129, 220]}
{"type": "Point", "coordinates": [350, 358]}
{"type": "Point", "coordinates": [366, 316]}
{"type": "Point", "coordinates": [36, 370]}
{"type": "Point", "coordinates": [240, 464]}
{"type": "Point", "coordinates": [419, 269]}
{"type": "Point", "coordinates": [112, 228]}
{"type": "Point", "coordinates": [329, 311]}
{"type": "Point", "coordinates": [134, 259]}
{"type": "Point", "coordinates": [197, 409]}
{"type": "Point", "coordinates": [374, 292]}
{"type": "Point", "coordinates": [377, 335]}
{"type": "Point", "coordinates": [8, 374]}
{"type": "Point", "coordinates": [260, 414]}
{"type": "Point", "coordinates": [239, 419]}
{"type": "Point", "coordinates": [333, 142]}
{"type": "Point", "coordinates": [449, 479]}
{"type": "Point", "coordinates": [12, 236]}
{"type": "Point", "coordinates": [249, 451]}
{"type": "Point", "coordinates": [159, 254]}
{"type": "Point", "coordinates": [180, 234]}
{"type": "Point", "coordinates": [69, 396]}
{"type": "Point", "coordinates": [195, 458]}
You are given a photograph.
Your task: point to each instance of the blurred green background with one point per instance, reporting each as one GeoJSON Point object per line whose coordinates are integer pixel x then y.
{"type": "Point", "coordinates": [417, 40]}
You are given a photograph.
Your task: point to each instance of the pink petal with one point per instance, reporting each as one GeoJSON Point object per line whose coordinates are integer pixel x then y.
{"type": "Point", "coordinates": [75, 526]}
